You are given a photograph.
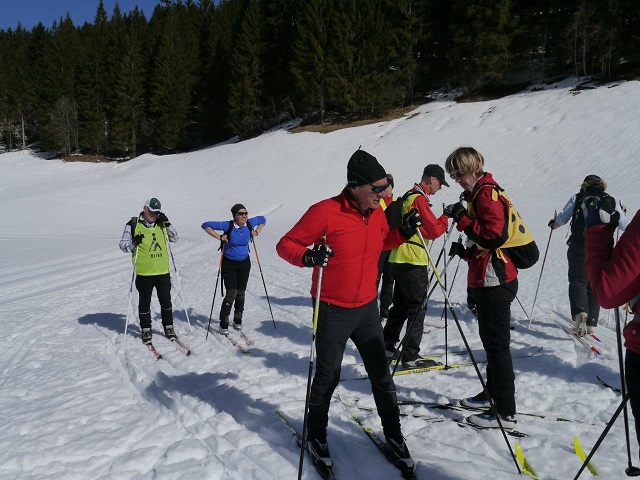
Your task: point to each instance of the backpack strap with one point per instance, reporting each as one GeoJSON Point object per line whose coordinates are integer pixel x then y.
{"type": "Point", "coordinates": [133, 223]}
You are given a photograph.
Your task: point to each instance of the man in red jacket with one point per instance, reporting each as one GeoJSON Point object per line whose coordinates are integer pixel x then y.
{"type": "Point", "coordinates": [614, 276]}
{"type": "Point", "coordinates": [349, 232]}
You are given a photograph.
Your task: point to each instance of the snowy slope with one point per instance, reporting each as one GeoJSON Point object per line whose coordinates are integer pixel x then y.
{"type": "Point", "coordinates": [77, 405]}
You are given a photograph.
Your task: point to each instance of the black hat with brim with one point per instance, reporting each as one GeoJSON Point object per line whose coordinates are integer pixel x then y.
{"type": "Point", "coordinates": [437, 171]}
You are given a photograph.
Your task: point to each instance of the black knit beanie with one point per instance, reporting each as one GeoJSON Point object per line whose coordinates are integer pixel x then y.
{"type": "Point", "coordinates": [363, 168]}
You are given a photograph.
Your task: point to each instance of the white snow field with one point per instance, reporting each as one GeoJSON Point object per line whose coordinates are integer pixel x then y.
{"type": "Point", "coordinates": [76, 404]}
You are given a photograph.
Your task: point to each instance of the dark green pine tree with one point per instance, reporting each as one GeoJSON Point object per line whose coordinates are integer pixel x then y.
{"type": "Point", "coordinates": [341, 57]}
{"type": "Point", "coordinates": [279, 36]}
{"type": "Point", "coordinates": [21, 84]}
{"type": "Point", "coordinates": [407, 27]}
{"type": "Point", "coordinates": [126, 81]}
{"type": "Point", "coordinates": [309, 64]}
{"type": "Point", "coordinates": [171, 81]}
{"type": "Point", "coordinates": [92, 86]}
{"type": "Point", "coordinates": [64, 54]}
{"type": "Point", "coordinates": [246, 87]}
{"type": "Point", "coordinates": [482, 33]}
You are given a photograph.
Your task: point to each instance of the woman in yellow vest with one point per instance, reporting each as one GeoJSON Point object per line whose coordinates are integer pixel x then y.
{"type": "Point", "coordinates": [145, 237]}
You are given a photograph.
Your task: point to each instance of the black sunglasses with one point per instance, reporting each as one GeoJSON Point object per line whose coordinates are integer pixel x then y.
{"type": "Point", "coordinates": [380, 188]}
{"type": "Point", "coordinates": [457, 174]}
{"type": "Point", "coordinates": [242, 213]}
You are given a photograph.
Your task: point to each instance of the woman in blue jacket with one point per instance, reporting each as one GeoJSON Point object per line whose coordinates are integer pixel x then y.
{"type": "Point", "coordinates": [236, 263]}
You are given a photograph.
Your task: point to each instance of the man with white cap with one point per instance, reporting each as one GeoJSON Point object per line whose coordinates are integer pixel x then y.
{"type": "Point", "coordinates": [145, 237]}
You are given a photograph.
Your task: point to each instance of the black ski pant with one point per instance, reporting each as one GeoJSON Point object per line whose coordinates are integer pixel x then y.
{"type": "Point", "coordinates": [632, 377]}
{"type": "Point", "coordinates": [336, 325]}
{"type": "Point", "coordinates": [145, 285]}
{"type": "Point", "coordinates": [581, 297]}
{"type": "Point", "coordinates": [411, 283]}
{"type": "Point", "coordinates": [494, 322]}
{"type": "Point", "coordinates": [235, 276]}
{"type": "Point", "coordinates": [385, 279]}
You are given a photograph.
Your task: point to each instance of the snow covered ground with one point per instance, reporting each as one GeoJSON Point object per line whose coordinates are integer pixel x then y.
{"type": "Point", "coordinates": [77, 405]}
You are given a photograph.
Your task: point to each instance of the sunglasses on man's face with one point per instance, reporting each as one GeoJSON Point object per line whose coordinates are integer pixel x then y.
{"type": "Point", "coordinates": [154, 212]}
{"type": "Point", "coordinates": [457, 174]}
{"type": "Point", "coordinates": [380, 188]}
{"type": "Point", "coordinates": [242, 214]}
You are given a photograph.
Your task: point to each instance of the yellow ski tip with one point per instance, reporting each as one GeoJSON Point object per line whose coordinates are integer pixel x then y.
{"type": "Point", "coordinates": [526, 468]}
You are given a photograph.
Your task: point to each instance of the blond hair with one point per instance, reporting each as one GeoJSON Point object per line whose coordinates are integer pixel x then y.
{"type": "Point", "coordinates": [465, 160]}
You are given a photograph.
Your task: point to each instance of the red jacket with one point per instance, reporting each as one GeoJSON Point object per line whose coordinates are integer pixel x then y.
{"type": "Point", "coordinates": [357, 238]}
{"type": "Point", "coordinates": [489, 229]}
{"type": "Point", "coordinates": [614, 273]}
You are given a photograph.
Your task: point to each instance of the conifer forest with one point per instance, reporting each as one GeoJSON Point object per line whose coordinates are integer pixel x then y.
{"type": "Point", "coordinates": [195, 72]}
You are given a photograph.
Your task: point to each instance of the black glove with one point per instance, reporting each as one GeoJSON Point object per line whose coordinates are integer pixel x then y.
{"type": "Point", "coordinates": [410, 223]}
{"type": "Point", "coordinates": [551, 223]}
{"type": "Point", "coordinates": [137, 240]}
{"type": "Point", "coordinates": [456, 249]}
{"type": "Point", "coordinates": [318, 256]}
{"type": "Point", "coordinates": [162, 218]}
{"type": "Point", "coordinates": [601, 213]}
{"type": "Point", "coordinates": [455, 211]}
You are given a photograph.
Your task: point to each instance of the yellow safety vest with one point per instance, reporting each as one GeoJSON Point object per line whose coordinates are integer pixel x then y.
{"type": "Point", "coordinates": [153, 257]}
{"type": "Point", "coordinates": [412, 251]}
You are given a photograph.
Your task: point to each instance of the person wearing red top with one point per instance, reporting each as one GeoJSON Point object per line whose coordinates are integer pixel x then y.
{"type": "Point", "coordinates": [349, 232]}
{"type": "Point", "coordinates": [614, 276]}
{"type": "Point", "coordinates": [411, 271]}
{"type": "Point", "coordinates": [492, 276]}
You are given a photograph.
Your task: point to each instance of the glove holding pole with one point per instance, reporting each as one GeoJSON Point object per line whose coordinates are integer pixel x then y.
{"type": "Point", "coordinates": [318, 256]}
{"type": "Point", "coordinates": [411, 221]}
{"type": "Point", "coordinates": [455, 211]}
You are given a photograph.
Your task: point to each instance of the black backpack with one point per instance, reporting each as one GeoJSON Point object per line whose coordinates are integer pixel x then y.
{"type": "Point", "coordinates": [393, 211]}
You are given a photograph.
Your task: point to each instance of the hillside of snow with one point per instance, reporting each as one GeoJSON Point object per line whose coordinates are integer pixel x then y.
{"type": "Point", "coordinates": [77, 404]}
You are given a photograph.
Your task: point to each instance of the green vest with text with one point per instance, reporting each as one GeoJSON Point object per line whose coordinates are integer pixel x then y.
{"type": "Point", "coordinates": [153, 257]}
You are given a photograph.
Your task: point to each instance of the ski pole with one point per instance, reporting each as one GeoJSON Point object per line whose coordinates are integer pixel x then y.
{"type": "Point", "coordinates": [625, 414]}
{"type": "Point", "coordinates": [175, 269]}
{"type": "Point", "coordinates": [215, 290]}
{"type": "Point", "coordinates": [316, 310]}
{"type": "Point", "coordinates": [630, 471]}
{"type": "Point", "coordinates": [133, 276]}
{"type": "Point", "coordinates": [446, 304]}
{"type": "Point", "coordinates": [555, 215]}
{"type": "Point", "coordinates": [255, 249]}
{"type": "Point", "coordinates": [473, 360]}
{"type": "Point", "coordinates": [399, 351]}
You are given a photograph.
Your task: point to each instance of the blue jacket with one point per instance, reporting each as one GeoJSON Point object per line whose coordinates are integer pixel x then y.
{"type": "Point", "coordinates": [237, 246]}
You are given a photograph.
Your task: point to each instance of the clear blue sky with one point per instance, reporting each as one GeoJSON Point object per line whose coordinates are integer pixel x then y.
{"type": "Point", "coordinates": [30, 12]}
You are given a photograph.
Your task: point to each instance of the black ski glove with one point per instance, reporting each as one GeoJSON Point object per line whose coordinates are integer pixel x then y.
{"type": "Point", "coordinates": [137, 240]}
{"type": "Point", "coordinates": [318, 256]}
{"type": "Point", "coordinates": [601, 213]}
{"type": "Point", "coordinates": [162, 218]}
{"type": "Point", "coordinates": [456, 249]}
{"type": "Point", "coordinates": [455, 211]}
{"type": "Point", "coordinates": [410, 223]}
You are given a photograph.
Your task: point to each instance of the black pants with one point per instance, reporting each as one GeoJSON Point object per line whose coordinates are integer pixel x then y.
{"type": "Point", "coordinates": [385, 276]}
{"type": "Point", "coordinates": [494, 319]}
{"type": "Point", "coordinates": [632, 377]}
{"type": "Point", "coordinates": [144, 285]}
{"type": "Point", "coordinates": [581, 297]}
{"type": "Point", "coordinates": [235, 275]}
{"type": "Point", "coordinates": [336, 325]}
{"type": "Point", "coordinates": [411, 282]}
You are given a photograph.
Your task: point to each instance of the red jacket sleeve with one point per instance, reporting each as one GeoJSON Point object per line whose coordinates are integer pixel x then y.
{"type": "Point", "coordinates": [614, 273]}
{"type": "Point", "coordinates": [309, 230]}
{"type": "Point", "coordinates": [432, 227]}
